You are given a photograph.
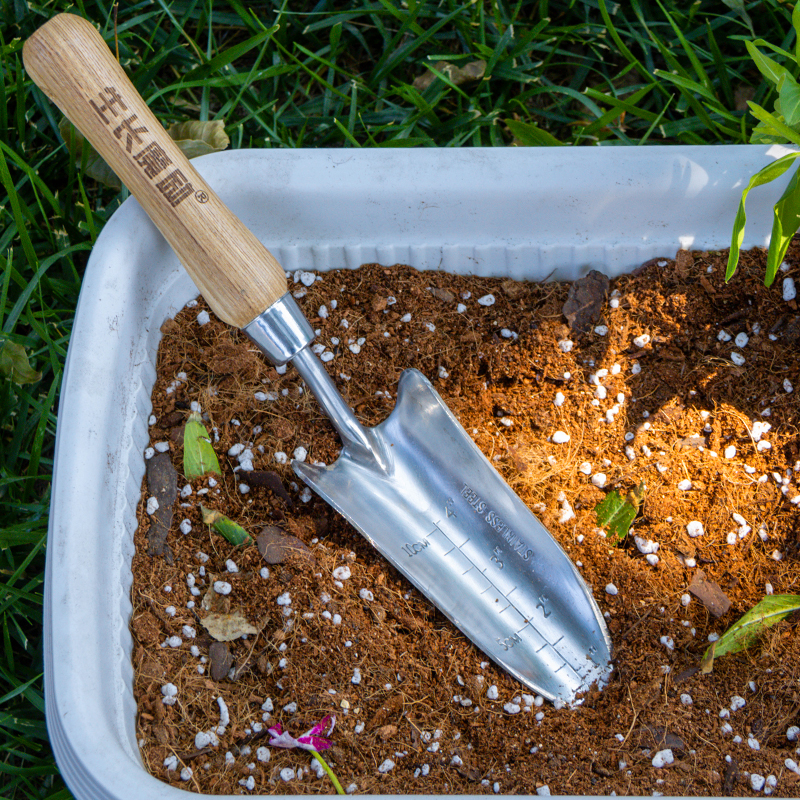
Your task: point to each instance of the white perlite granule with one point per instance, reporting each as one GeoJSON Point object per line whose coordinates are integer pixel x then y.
{"type": "Point", "coordinates": [695, 528]}
{"type": "Point", "coordinates": [341, 573]}
{"type": "Point", "coordinates": [662, 758]}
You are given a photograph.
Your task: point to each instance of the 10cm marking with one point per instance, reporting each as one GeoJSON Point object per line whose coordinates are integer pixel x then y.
{"type": "Point", "coordinates": [509, 641]}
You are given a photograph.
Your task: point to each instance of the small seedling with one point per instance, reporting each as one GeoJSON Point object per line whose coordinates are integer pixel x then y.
{"type": "Point", "coordinates": [616, 513]}
{"type": "Point", "coordinates": [772, 609]}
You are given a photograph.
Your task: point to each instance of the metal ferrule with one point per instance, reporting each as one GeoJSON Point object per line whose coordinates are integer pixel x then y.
{"type": "Point", "coordinates": [281, 331]}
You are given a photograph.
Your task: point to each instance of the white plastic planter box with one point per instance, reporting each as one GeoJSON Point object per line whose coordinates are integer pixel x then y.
{"type": "Point", "coordinates": [525, 213]}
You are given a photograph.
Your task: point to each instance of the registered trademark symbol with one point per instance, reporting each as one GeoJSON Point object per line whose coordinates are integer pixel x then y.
{"type": "Point", "coordinates": [201, 197]}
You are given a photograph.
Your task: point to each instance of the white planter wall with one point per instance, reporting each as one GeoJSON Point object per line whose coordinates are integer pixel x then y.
{"type": "Point", "coordinates": [520, 212]}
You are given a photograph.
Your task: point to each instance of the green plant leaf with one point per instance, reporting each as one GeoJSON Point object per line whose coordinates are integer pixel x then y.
{"type": "Point", "coordinates": [616, 513]}
{"type": "Point", "coordinates": [199, 138]}
{"type": "Point", "coordinates": [530, 135]}
{"type": "Point", "coordinates": [773, 608]}
{"type": "Point", "coordinates": [767, 66]}
{"type": "Point", "coordinates": [789, 96]}
{"type": "Point", "coordinates": [14, 363]}
{"type": "Point", "coordinates": [199, 457]}
{"type": "Point", "coordinates": [775, 122]}
{"type": "Point", "coordinates": [785, 224]}
{"type": "Point", "coordinates": [765, 175]}
{"type": "Point", "coordinates": [225, 526]}
{"type": "Point", "coordinates": [763, 133]}
{"type": "Point", "coordinates": [796, 26]}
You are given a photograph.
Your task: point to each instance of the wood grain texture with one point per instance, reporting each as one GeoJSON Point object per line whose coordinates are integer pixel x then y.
{"type": "Point", "coordinates": [68, 59]}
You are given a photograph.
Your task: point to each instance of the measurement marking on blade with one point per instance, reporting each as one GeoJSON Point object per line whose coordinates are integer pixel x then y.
{"type": "Point", "coordinates": [542, 605]}
{"type": "Point", "coordinates": [436, 529]}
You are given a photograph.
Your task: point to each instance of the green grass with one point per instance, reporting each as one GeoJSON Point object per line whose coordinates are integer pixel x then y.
{"type": "Point", "coordinates": [334, 74]}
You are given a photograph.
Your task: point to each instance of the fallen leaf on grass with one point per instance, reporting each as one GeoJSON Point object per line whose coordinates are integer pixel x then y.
{"type": "Point", "coordinates": [231, 530]}
{"type": "Point", "coordinates": [616, 514]}
{"type": "Point", "coordinates": [528, 134]}
{"type": "Point", "coordinates": [199, 457]}
{"type": "Point", "coordinates": [193, 138]}
{"type": "Point", "coordinates": [14, 363]}
{"type": "Point", "coordinates": [458, 76]}
{"type": "Point", "coordinates": [199, 138]}
{"type": "Point", "coordinates": [86, 157]}
{"type": "Point", "coordinates": [773, 608]}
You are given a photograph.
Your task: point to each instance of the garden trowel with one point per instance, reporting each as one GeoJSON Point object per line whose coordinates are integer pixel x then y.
{"type": "Point", "coordinates": [415, 486]}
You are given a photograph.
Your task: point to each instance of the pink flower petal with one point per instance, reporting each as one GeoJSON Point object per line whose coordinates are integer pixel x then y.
{"type": "Point", "coordinates": [314, 739]}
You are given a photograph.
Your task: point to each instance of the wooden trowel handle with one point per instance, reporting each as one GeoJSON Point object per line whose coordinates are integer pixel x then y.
{"type": "Point", "coordinates": [70, 62]}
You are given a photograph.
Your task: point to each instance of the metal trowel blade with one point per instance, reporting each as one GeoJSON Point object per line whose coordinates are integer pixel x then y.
{"type": "Point", "coordinates": [436, 509]}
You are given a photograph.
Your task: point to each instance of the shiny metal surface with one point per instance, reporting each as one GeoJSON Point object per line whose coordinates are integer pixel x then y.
{"type": "Point", "coordinates": [420, 491]}
{"type": "Point", "coordinates": [424, 495]}
{"type": "Point", "coordinates": [362, 444]}
{"type": "Point", "coordinates": [281, 331]}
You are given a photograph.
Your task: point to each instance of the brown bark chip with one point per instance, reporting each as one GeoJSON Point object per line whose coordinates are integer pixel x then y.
{"type": "Point", "coordinates": [161, 484]}
{"type": "Point", "coordinates": [585, 301]}
{"type": "Point", "coordinates": [321, 624]}
{"type": "Point", "coordinates": [275, 545]}
{"type": "Point", "coordinates": [709, 594]}
{"type": "Point", "coordinates": [221, 660]}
